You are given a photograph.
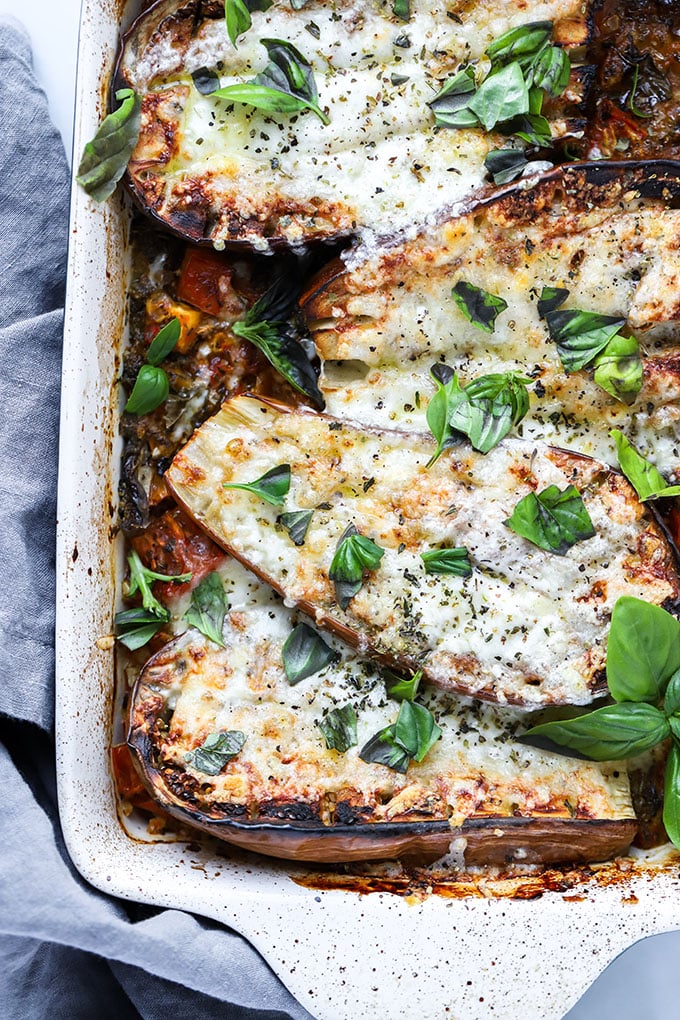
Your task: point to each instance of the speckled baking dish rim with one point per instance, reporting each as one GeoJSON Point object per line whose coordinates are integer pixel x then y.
{"type": "Point", "coordinates": [340, 953]}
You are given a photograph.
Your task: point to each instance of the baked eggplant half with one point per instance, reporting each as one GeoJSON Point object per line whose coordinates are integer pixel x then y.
{"type": "Point", "coordinates": [507, 622]}
{"type": "Point", "coordinates": [360, 149]}
{"type": "Point", "coordinates": [604, 238]}
{"type": "Point", "coordinates": [231, 740]}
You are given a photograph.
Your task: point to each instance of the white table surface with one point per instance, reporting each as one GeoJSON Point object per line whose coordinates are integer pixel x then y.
{"type": "Point", "coordinates": [642, 982]}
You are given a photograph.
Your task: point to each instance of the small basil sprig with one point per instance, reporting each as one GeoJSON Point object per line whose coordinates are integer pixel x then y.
{"type": "Point", "coordinates": [500, 97]}
{"type": "Point", "coordinates": [286, 85]}
{"type": "Point", "coordinates": [505, 165]}
{"type": "Point", "coordinates": [553, 520]}
{"type": "Point", "coordinates": [455, 562]}
{"type": "Point", "coordinates": [643, 675]}
{"type": "Point", "coordinates": [647, 481]}
{"type": "Point", "coordinates": [265, 327]}
{"type": "Point", "coordinates": [521, 43]}
{"type": "Point", "coordinates": [477, 305]}
{"type": "Point", "coordinates": [296, 523]}
{"type": "Point", "coordinates": [408, 739]}
{"type": "Point", "coordinates": [208, 608]}
{"type": "Point", "coordinates": [272, 486]}
{"type": "Point", "coordinates": [106, 157]}
{"type": "Point", "coordinates": [488, 407]}
{"type": "Point", "coordinates": [141, 579]}
{"type": "Point", "coordinates": [215, 751]}
{"type": "Point", "coordinates": [152, 386]}
{"type": "Point", "coordinates": [136, 627]}
{"type": "Point", "coordinates": [588, 338]}
{"type": "Point", "coordinates": [305, 653]}
{"type": "Point", "coordinates": [339, 728]}
{"type": "Point", "coordinates": [485, 410]}
{"type": "Point", "coordinates": [237, 15]}
{"type": "Point", "coordinates": [354, 554]}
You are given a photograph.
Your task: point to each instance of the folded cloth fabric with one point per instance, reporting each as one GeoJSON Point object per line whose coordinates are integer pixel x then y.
{"type": "Point", "coordinates": [66, 950]}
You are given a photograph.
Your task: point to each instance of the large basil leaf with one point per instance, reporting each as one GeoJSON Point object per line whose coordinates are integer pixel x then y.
{"type": "Point", "coordinates": [286, 85]}
{"type": "Point", "coordinates": [237, 15]}
{"type": "Point", "coordinates": [488, 407]}
{"type": "Point", "coordinates": [618, 369]}
{"type": "Point", "coordinates": [643, 650]}
{"type": "Point", "coordinates": [501, 96]}
{"type": "Point", "coordinates": [520, 43]}
{"type": "Point", "coordinates": [272, 486]}
{"type": "Point", "coordinates": [607, 734]}
{"type": "Point", "coordinates": [671, 701]}
{"type": "Point", "coordinates": [106, 157]}
{"type": "Point", "coordinates": [647, 481]}
{"type": "Point", "coordinates": [305, 653]}
{"type": "Point", "coordinates": [215, 751]}
{"type": "Point", "coordinates": [440, 407]}
{"type": "Point", "coordinates": [382, 749]}
{"type": "Point", "coordinates": [671, 796]}
{"type": "Point", "coordinates": [580, 336]}
{"type": "Point", "coordinates": [477, 305]}
{"type": "Point", "coordinates": [408, 739]}
{"type": "Point", "coordinates": [208, 608]}
{"type": "Point", "coordinates": [455, 562]}
{"type": "Point", "coordinates": [553, 520]}
{"type": "Point", "coordinates": [550, 71]}
{"type": "Point", "coordinates": [354, 554]}
{"type": "Point", "coordinates": [151, 388]}
{"type": "Point", "coordinates": [339, 728]}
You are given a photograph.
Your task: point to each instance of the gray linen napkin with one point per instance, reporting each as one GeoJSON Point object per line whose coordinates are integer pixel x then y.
{"type": "Point", "coordinates": [66, 950]}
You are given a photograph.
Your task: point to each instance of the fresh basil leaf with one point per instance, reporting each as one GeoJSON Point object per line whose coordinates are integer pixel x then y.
{"type": "Point", "coordinates": [237, 17]}
{"type": "Point", "coordinates": [532, 128]}
{"type": "Point", "coordinates": [477, 305]}
{"type": "Point", "coordinates": [447, 561]}
{"type": "Point", "coordinates": [286, 85]}
{"type": "Point", "coordinates": [550, 299]}
{"type": "Point", "coordinates": [286, 355]}
{"type": "Point", "coordinates": [671, 701]}
{"type": "Point", "coordinates": [305, 653]}
{"type": "Point", "coordinates": [339, 728]}
{"type": "Point", "coordinates": [151, 388]}
{"type": "Point", "coordinates": [618, 369]}
{"type": "Point", "coordinates": [647, 481]}
{"type": "Point", "coordinates": [296, 524]}
{"type": "Point", "coordinates": [643, 650]}
{"type": "Point", "coordinates": [500, 97]}
{"type": "Point", "coordinates": [580, 336]}
{"type": "Point", "coordinates": [553, 520]}
{"type": "Point", "coordinates": [272, 486]}
{"type": "Point", "coordinates": [611, 733]}
{"type": "Point", "coordinates": [402, 9]}
{"type": "Point", "coordinates": [415, 730]}
{"type": "Point", "coordinates": [354, 554]}
{"type": "Point", "coordinates": [382, 749]}
{"type": "Point", "coordinates": [488, 407]}
{"type": "Point", "coordinates": [521, 42]}
{"type": "Point", "coordinates": [505, 165]}
{"type": "Point", "coordinates": [440, 406]}
{"type": "Point", "coordinates": [137, 627]}
{"type": "Point", "coordinates": [208, 608]}
{"type": "Point", "coordinates": [141, 579]}
{"type": "Point", "coordinates": [399, 688]}
{"type": "Point", "coordinates": [550, 71]}
{"type": "Point", "coordinates": [206, 81]}
{"type": "Point", "coordinates": [106, 157]}
{"type": "Point", "coordinates": [450, 104]}
{"type": "Point", "coordinates": [164, 342]}
{"type": "Point", "coordinates": [671, 796]}
{"type": "Point", "coordinates": [215, 751]}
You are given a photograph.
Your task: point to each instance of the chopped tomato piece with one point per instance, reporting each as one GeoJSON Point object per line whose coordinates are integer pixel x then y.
{"type": "Point", "coordinates": [173, 544]}
{"type": "Point", "coordinates": [205, 281]}
{"type": "Point", "coordinates": [129, 785]}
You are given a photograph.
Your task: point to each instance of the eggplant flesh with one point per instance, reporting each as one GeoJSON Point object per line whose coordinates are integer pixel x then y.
{"type": "Point", "coordinates": [286, 794]}
{"type": "Point", "coordinates": [527, 627]}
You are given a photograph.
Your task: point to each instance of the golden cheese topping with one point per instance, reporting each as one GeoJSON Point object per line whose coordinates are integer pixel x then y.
{"type": "Point", "coordinates": [224, 171]}
{"type": "Point", "coordinates": [476, 769]}
{"type": "Point", "coordinates": [527, 627]}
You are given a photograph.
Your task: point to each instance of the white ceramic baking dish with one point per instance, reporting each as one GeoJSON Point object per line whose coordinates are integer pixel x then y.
{"type": "Point", "coordinates": [341, 953]}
